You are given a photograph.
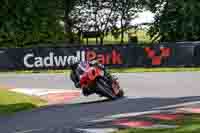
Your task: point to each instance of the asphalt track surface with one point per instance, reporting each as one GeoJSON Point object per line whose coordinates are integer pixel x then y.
{"type": "Point", "coordinates": [144, 92]}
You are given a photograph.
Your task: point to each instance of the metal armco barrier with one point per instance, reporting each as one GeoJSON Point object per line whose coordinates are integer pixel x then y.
{"type": "Point", "coordinates": [162, 55]}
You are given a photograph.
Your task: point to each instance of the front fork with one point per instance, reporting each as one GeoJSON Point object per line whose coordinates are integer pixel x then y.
{"type": "Point", "coordinates": [113, 81]}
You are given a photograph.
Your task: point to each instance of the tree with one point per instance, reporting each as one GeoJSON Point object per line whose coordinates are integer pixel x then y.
{"type": "Point", "coordinates": [94, 15]}
{"type": "Point", "coordinates": [69, 6]}
{"type": "Point", "coordinates": [176, 20]}
{"type": "Point", "coordinates": [24, 22]}
{"type": "Point", "coordinates": [127, 11]}
{"type": "Point", "coordinates": [105, 16]}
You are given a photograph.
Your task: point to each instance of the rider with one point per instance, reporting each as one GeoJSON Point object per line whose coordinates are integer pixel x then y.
{"type": "Point", "coordinates": [74, 64]}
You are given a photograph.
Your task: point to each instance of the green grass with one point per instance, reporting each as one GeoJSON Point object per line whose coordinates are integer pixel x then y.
{"type": "Point", "coordinates": [190, 124]}
{"type": "Point", "coordinates": [119, 70]}
{"type": "Point", "coordinates": [11, 102]}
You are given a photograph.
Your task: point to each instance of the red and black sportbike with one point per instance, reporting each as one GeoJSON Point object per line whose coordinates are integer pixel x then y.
{"type": "Point", "coordinates": [95, 78]}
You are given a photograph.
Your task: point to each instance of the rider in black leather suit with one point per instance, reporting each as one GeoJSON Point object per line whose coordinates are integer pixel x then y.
{"type": "Point", "coordinates": [74, 64]}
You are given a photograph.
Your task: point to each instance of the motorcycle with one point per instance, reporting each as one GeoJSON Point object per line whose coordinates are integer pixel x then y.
{"type": "Point", "coordinates": [94, 78]}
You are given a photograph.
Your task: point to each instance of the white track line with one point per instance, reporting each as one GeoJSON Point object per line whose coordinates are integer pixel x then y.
{"type": "Point", "coordinates": [140, 75]}
{"type": "Point", "coordinates": [41, 91]}
{"type": "Point", "coordinates": [28, 131]}
{"type": "Point", "coordinates": [134, 114]}
{"type": "Point", "coordinates": [97, 130]}
{"type": "Point", "coordinates": [179, 105]}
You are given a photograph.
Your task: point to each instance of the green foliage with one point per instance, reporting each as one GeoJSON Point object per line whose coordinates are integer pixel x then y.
{"type": "Point", "coordinates": [126, 11]}
{"type": "Point", "coordinates": [94, 15]}
{"type": "Point", "coordinates": [104, 16]}
{"type": "Point", "coordinates": [176, 20]}
{"type": "Point", "coordinates": [24, 22]}
{"type": "Point", "coordinates": [11, 102]}
{"type": "Point", "coordinates": [30, 22]}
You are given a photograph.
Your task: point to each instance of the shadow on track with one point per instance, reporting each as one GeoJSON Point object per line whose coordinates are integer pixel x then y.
{"type": "Point", "coordinates": [94, 102]}
{"type": "Point", "coordinates": [100, 101]}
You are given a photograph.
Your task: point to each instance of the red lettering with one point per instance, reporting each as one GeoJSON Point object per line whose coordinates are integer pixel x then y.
{"type": "Point", "coordinates": [156, 60]}
{"type": "Point", "coordinates": [147, 49]}
{"type": "Point", "coordinates": [165, 52]}
{"type": "Point", "coordinates": [151, 54]}
{"type": "Point", "coordinates": [101, 58]}
{"type": "Point", "coordinates": [91, 55]}
{"type": "Point", "coordinates": [107, 59]}
{"type": "Point", "coordinates": [116, 57]}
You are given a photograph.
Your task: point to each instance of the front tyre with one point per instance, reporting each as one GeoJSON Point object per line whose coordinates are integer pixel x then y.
{"type": "Point", "coordinates": [105, 88]}
{"type": "Point", "coordinates": [120, 94]}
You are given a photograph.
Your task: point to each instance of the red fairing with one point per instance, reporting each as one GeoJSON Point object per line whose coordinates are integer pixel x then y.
{"type": "Point", "coordinates": [89, 76]}
{"type": "Point", "coordinates": [84, 80]}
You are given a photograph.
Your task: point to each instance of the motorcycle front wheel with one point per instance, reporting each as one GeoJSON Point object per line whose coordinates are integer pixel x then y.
{"type": "Point", "coordinates": [105, 88]}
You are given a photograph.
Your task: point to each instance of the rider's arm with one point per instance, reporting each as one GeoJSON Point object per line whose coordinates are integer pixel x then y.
{"type": "Point", "coordinates": [75, 79]}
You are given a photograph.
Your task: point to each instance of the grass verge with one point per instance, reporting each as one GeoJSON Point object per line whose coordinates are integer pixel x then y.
{"type": "Point", "coordinates": [122, 70]}
{"type": "Point", "coordinates": [190, 124]}
{"type": "Point", "coordinates": [11, 102]}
